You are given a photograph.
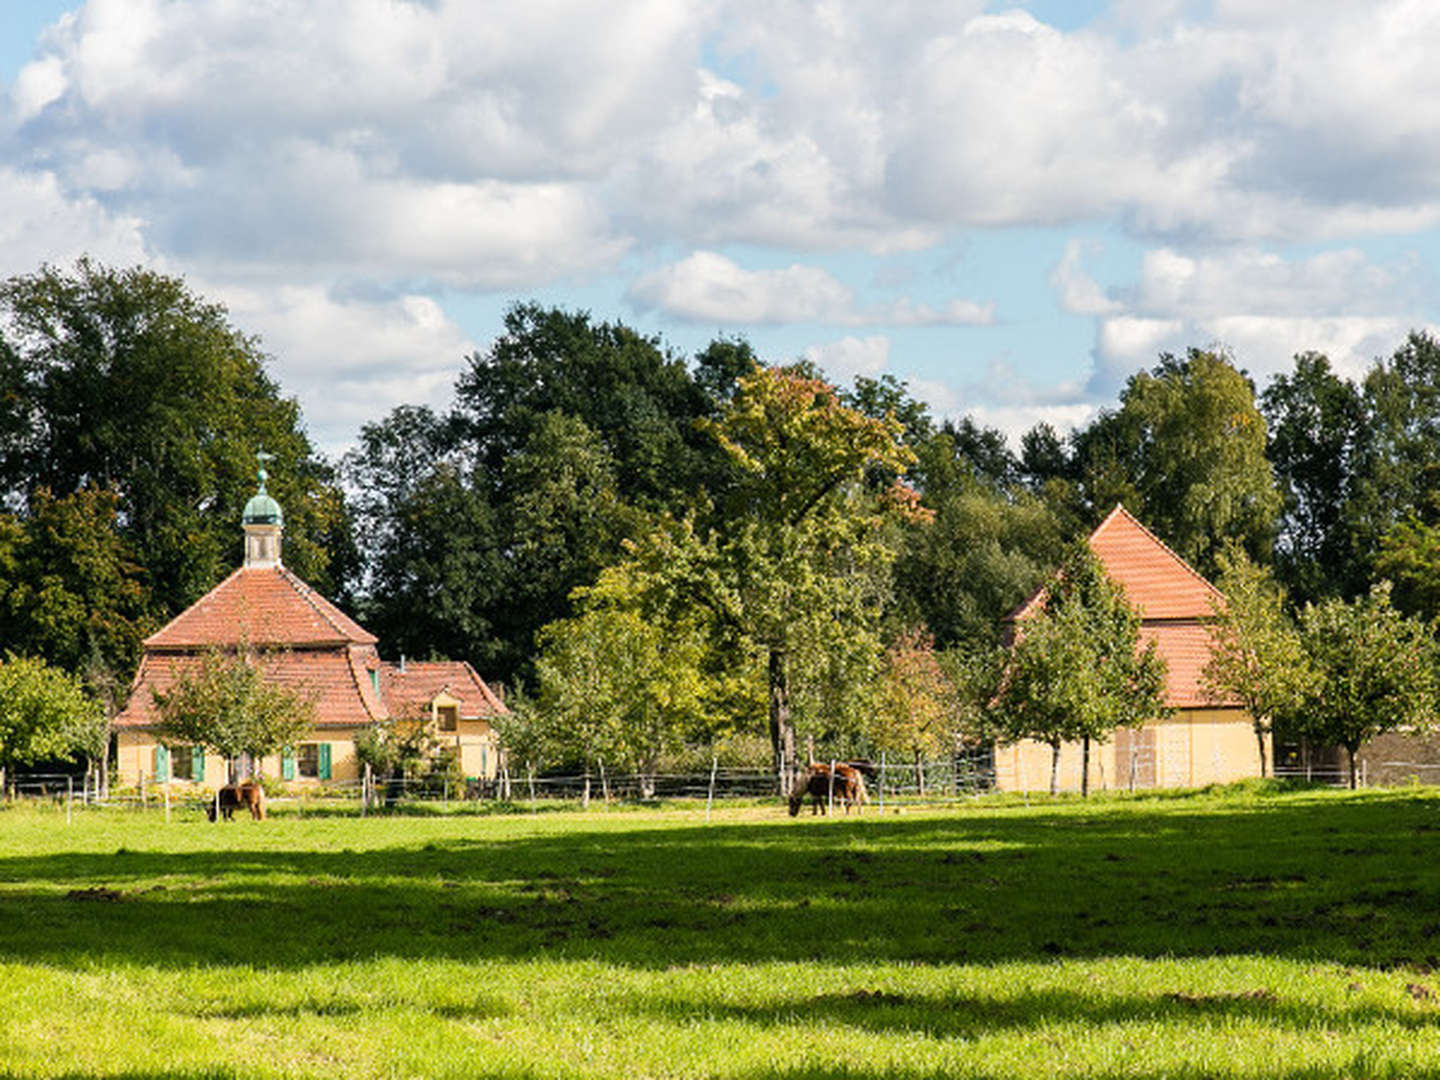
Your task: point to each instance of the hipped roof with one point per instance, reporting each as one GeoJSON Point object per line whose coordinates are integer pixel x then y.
{"type": "Point", "coordinates": [415, 685]}
{"type": "Point", "coordinates": [262, 607]}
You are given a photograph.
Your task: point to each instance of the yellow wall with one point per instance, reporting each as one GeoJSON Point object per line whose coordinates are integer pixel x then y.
{"type": "Point", "coordinates": [476, 742]}
{"type": "Point", "coordinates": [1193, 748]}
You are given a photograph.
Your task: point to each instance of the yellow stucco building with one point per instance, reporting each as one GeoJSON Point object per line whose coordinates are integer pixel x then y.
{"type": "Point", "coordinates": [304, 642]}
{"type": "Point", "coordinates": [1205, 741]}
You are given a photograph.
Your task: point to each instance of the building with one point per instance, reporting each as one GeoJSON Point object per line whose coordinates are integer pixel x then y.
{"type": "Point", "coordinates": [306, 643]}
{"type": "Point", "coordinates": [1205, 741]}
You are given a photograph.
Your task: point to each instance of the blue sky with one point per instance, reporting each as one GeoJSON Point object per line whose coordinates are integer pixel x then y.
{"type": "Point", "coordinates": [1012, 207]}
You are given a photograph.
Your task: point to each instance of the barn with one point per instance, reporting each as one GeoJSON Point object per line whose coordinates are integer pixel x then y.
{"type": "Point", "coordinates": [1204, 741]}
{"type": "Point", "coordinates": [304, 642]}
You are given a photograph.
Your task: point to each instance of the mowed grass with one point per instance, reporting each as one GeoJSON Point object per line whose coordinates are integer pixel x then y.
{"type": "Point", "coordinates": [1239, 933]}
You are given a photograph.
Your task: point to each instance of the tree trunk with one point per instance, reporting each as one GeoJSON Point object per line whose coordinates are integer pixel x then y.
{"type": "Point", "coordinates": [1351, 751]}
{"type": "Point", "coordinates": [1260, 744]}
{"type": "Point", "coordinates": [920, 774]}
{"type": "Point", "coordinates": [585, 792]}
{"type": "Point", "coordinates": [1085, 767]}
{"type": "Point", "coordinates": [1054, 768]}
{"type": "Point", "coordinates": [782, 732]}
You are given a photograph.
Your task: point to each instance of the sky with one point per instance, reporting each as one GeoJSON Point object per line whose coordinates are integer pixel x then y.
{"type": "Point", "coordinates": [1012, 207]}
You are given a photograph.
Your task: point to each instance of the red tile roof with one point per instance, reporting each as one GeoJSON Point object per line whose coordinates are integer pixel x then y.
{"type": "Point", "coordinates": [337, 679]}
{"type": "Point", "coordinates": [1158, 582]}
{"type": "Point", "coordinates": [262, 606]}
{"type": "Point", "coordinates": [1174, 601]}
{"type": "Point", "coordinates": [415, 685]}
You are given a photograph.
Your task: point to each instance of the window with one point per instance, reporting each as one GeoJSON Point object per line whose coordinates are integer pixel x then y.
{"type": "Point", "coordinates": [182, 763]}
{"type": "Point", "coordinates": [307, 759]}
{"type": "Point", "coordinates": [449, 717]}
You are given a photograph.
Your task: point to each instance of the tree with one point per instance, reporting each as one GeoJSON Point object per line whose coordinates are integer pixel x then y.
{"type": "Point", "coordinates": [1186, 450]}
{"type": "Point", "coordinates": [44, 713]}
{"type": "Point", "coordinates": [1077, 670]}
{"type": "Point", "coordinates": [70, 589]}
{"type": "Point", "coordinates": [1409, 557]}
{"type": "Point", "coordinates": [1374, 671]}
{"type": "Point", "coordinates": [126, 381]}
{"type": "Point", "coordinates": [915, 706]}
{"type": "Point", "coordinates": [800, 548]}
{"type": "Point", "coordinates": [229, 705]}
{"type": "Point", "coordinates": [614, 687]}
{"type": "Point", "coordinates": [1256, 655]}
{"type": "Point", "coordinates": [1317, 423]}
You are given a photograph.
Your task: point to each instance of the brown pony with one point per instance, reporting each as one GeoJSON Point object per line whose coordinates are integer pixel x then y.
{"type": "Point", "coordinates": [232, 797]}
{"type": "Point", "coordinates": [846, 784]}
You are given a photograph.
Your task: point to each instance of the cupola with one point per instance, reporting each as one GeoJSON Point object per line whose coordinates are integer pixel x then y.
{"type": "Point", "coordinates": [263, 522]}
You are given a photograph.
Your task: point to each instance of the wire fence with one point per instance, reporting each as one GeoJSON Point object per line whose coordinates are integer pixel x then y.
{"type": "Point", "coordinates": [888, 784]}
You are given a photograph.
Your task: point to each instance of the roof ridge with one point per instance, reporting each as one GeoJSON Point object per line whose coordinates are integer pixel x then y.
{"type": "Point", "coordinates": [1120, 510]}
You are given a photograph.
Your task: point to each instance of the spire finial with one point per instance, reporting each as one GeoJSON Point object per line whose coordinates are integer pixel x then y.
{"type": "Point", "coordinates": [262, 457]}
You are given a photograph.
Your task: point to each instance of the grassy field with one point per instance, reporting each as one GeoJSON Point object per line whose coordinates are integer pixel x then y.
{"type": "Point", "coordinates": [1240, 933]}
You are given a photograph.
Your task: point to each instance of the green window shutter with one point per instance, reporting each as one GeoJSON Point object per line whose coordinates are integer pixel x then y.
{"type": "Point", "coordinates": [162, 763]}
{"type": "Point", "coordinates": [324, 761]}
{"type": "Point", "coordinates": [287, 765]}
{"type": "Point", "coordinates": [197, 764]}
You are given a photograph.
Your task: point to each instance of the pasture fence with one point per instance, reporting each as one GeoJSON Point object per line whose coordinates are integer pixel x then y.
{"type": "Point", "coordinates": [941, 782]}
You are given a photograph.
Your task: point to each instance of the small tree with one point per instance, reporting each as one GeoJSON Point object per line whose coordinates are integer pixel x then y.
{"type": "Point", "coordinates": [1374, 671]}
{"type": "Point", "coordinates": [915, 705]}
{"type": "Point", "coordinates": [1077, 670]}
{"type": "Point", "coordinates": [229, 705]}
{"type": "Point", "coordinates": [1256, 655]}
{"type": "Point", "coordinates": [44, 713]}
{"type": "Point", "coordinates": [396, 746]}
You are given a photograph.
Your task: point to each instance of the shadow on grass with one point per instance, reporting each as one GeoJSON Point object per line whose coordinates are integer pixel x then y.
{"type": "Point", "coordinates": [1343, 880]}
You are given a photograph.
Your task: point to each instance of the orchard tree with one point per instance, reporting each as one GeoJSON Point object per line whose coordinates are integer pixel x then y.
{"type": "Point", "coordinates": [801, 548]}
{"type": "Point", "coordinates": [1077, 670]}
{"type": "Point", "coordinates": [1256, 655]}
{"type": "Point", "coordinates": [229, 705]}
{"type": "Point", "coordinates": [1374, 671]}
{"type": "Point", "coordinates": [44, 713]}
{"type": "Point", "coordinates": [914, 710]}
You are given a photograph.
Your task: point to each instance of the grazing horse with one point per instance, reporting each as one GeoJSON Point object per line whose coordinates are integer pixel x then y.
{"type": "Point", "coordinates": [845, 783]}
{"type": "Point", "coordinates": [232, 797]}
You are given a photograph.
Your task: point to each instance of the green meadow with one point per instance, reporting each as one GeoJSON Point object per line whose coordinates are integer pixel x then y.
{"type": "Point", "coordinates": [1243, 932]}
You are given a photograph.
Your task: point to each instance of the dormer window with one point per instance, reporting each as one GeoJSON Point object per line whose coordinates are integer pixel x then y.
{"type": "Point", "coordinates": [449, 717]}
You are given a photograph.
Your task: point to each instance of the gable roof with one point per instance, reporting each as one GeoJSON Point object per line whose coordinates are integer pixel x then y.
{"type": "Point", "coordinates": [1158, 583]}
{"type": "Point", "coordinates": [1175, 602]}
{"type": "Point", "coordinates": [262, 606]}
{"type": "Point", "coordinates": [413, 686]}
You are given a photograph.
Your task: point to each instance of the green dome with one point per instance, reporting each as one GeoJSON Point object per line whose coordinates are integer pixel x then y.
{"type": "Point", "coordinates": [262, 510]}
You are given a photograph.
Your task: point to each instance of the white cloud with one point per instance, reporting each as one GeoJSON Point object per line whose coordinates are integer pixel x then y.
{"type": "Point", "coordinates": [843, 360]}
{"type": "Point", "coordinates": [709, 288]}
{"type": "Point", "coordinates": [1079, 294]}
{"type": "Point", "coordinates": [350, 360]}
{"type": "Point", "coordinates": [41, 224]}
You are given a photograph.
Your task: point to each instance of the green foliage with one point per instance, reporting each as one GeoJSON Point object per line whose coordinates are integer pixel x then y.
{"type": "Point", "coordinates": [1077, 669]}
{"type": "Point", "coordinates": [127, 382]}
{"type": "Point", "coordinates": [69, 588]}
{"type": "Point", "coordinates": [1409, 558]}
{"type": "Point", "coordinates": [618, 689]}
{"type": "Point", "coordinates": [915, 707]}
{"type": "Point", "coordinates": [230, 706]}
{"type": "Point", "coordinates": [1375, 671]}
{"type": "Point", "coordinates": [1256, 655]}
{"type": "Point", "coordinates": [1186, 452]}
{"type": "Point", "coordinates": [1317, 423]}
{"type": "Point", "coordinates": [45, 713]}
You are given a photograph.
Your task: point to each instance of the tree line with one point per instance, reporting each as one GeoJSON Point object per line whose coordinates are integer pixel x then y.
{"type": "Point", "coordinates": [654, 550]}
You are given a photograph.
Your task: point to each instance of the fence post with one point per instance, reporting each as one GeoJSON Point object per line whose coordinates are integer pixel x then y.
{"type": "Point", "coordinates": [167, 804]}
{"type": "Point", "coordinates": [882, 781]}
{"type": "Point", "coordinates": [530, 775]}
{"type": "Point", "coordinates": [830, 792]}
{"type": "Point", "coordinates": [69, 797]}
{"type": "Point", "coordinates": [710, 797]}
